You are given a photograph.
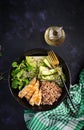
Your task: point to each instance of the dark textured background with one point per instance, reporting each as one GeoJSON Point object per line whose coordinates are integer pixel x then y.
{"type": "Point", "coordinates": [22, 27]}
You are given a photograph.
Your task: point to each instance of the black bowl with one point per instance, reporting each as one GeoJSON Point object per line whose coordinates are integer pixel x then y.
{"type": "Point", "coordinates": [24, 102]}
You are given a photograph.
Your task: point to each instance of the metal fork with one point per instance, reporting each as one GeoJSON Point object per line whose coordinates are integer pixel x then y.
{"type": "Point", "coordinates": [53, 58]}
{"type": "Point", "coordinates": [54, 61]}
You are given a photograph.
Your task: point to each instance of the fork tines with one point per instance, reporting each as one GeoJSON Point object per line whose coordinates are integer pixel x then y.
{"type": "Point", "coordinates": [53, 58]}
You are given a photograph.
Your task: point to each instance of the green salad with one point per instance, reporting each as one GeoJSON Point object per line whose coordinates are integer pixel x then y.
{"type": "Point", "coordinates": [34, 66]}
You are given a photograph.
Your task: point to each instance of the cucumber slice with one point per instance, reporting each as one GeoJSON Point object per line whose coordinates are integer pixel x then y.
{"type": "Point", "coordinates": [47, 63]}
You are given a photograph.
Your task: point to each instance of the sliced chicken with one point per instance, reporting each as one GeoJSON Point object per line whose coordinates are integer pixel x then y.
{"type": "Point", "coordinates": [30, 93]}
{"type": "Point", "coordinates": [36, 98]}
{"type": "Point", "coordinates": [32, 90]}
{"type": "Point", "coordinates": [27, 88]}
{"type": "Point", "coordinates": [33, 81]}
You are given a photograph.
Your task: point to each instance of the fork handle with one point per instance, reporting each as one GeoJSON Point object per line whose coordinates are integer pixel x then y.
{"type": "Point", "coordinates": [67, 91]}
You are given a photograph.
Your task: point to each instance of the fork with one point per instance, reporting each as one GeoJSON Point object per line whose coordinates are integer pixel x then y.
{"type": "Point", "coordinates": [54, 61]}
{"type": "Point", "coordinates": [53, 58]}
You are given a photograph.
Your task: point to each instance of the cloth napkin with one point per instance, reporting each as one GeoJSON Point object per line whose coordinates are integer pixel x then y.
{"type": "Point", "coordinates": [63, 116]}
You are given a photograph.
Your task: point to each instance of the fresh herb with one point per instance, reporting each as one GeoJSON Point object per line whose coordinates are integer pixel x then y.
{"type": "Point", "coordinates": [31, 67]}
{"type": "Point", "coordinates": [22, 73]}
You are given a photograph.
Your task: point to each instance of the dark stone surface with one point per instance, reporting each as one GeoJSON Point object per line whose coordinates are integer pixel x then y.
{"type": "Point", "coordinates": [22, 26]}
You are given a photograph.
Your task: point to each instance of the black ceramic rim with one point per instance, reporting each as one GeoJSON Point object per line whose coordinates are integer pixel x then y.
{"type": "Point", "coordinates": [24, 102]}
